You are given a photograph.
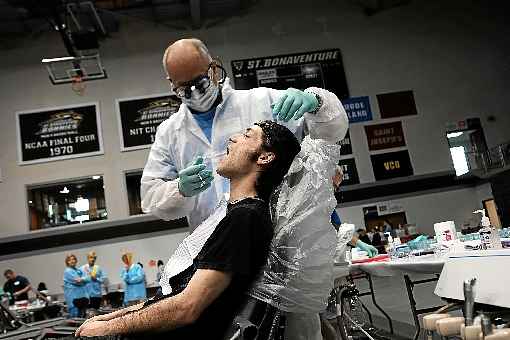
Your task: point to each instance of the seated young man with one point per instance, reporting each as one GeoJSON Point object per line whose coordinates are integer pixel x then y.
{"type": "Point", "coordinates": [206, 296]}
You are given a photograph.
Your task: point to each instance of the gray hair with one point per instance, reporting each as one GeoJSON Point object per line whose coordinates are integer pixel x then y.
{"type": "Point", "coordinates": [197, 43]}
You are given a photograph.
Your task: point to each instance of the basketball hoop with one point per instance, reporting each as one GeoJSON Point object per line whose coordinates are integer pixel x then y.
{"type": "Point", "coordinates": [78, 85]}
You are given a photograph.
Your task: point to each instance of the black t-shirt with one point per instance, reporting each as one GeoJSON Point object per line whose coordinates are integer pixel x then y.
{"type": "Point", "coordinates": [16, 285]}
{"type": "Point", "coordinates": [239, 246]}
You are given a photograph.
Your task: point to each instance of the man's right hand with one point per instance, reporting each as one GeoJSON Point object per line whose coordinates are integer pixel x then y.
{"type": "Point", "coordinates": [104, 317]}
{"type": "Point", "coordinates": [109, 316]}
{"type": "Point", "coordinates": [195, 178]}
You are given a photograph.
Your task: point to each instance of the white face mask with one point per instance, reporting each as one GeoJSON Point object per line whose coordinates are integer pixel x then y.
{"type": "Point", "coordinates": [202, 102]}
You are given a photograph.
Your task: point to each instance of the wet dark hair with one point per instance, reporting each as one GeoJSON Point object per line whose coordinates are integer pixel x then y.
{"type": "Point", "coordinates": [282, 142]}
{"type": "Point", "coordinates": [160, 263]}
{"type": "Point", "coordinates": [8, 272]}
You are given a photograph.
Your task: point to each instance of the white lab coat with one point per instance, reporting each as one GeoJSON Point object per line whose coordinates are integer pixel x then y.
{"type": "Point", "coordinates": [179, 140]}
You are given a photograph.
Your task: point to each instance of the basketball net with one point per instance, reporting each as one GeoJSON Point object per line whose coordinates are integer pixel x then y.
{"type": "Point", "coordinates": [78, 86]}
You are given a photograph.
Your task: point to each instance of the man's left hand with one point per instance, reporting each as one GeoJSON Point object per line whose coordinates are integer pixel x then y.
{"type": "Point", "coordinates": [293, 104]}
{"type": "Point", "coordinates": [94, 328]}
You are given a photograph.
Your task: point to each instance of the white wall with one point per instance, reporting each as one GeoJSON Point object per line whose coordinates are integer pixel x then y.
{"type": "Point", "coordinates": [452, 54]}
{"type": "Point", "coordinates": [484, 192]}
{"type": "Point", "coordinates": [425, 210]}
{"type": "Point", "coordinates": [49, 267]}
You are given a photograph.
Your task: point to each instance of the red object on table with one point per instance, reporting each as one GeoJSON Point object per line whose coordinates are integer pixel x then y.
{"type": "Point", "coordinates": [378, 258]}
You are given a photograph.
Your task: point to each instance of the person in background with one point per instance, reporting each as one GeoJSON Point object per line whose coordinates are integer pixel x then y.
{"type": "Point", "coordinates": [17, 286]}
{"type": "Point", "coordinates": [363, 236]}
{"type": "Point", "coordinates": [388, 227]}
{"type": "Point", "coordinates": [377, 240]}
{"type": "Point", "coordinates": [145, 277]}
{"type": "Point", "coordinates": [327, 330]}
{"type": "Point", "coordinates": [134, 281]}
{"type": "Point", "coordinates": [370, 235]}
{"type": "Point", "coordinates": [337, 180]}
{"type": "Point", "coordinates": [49, 310]}
{"type": "Point", "coordinates": [161, 268]}
{"type": "Point", "coordinates": [42, 289]}
{"type": "Point", "coordinates": [75, 290]}
{"type": "Point", "coordinates": [381, 233]}
{"type": "Point", "coordinates": [96, 278]}
{"type": "Point", "coordinates": [336, 221]}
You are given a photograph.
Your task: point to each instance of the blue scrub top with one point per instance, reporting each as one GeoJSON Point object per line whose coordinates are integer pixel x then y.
{"type": "Point", "coordinates": [74, 290]}
{"type": "Point", "coordinates": [205, 121]}
{"type": "Point", "coordinates": [335, 218]}
{"type": "Point", "coordinates": [134, 283]}
{"type": "Point", "coordinates": [94, 287]}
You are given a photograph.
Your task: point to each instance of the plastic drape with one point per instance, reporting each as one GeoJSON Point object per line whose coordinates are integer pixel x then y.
{"type": "Point", "coordinates": [298, 276]}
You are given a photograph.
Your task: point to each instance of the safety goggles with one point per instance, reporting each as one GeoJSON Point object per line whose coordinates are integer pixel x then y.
{"type": "Point", "coordinates": [200, 83]}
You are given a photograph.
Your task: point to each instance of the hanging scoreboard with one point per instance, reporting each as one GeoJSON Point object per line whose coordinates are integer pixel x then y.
{"type": "Point", "coordinates": [322, 69]}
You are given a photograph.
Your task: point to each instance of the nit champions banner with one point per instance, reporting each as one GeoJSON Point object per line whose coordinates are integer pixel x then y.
{"type": "Point", "coordinates": [139, 118]}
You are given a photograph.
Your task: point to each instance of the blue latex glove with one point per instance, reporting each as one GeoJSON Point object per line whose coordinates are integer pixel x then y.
{"type": "Point", "coordinates": [294, 103]}
{"type": "Point", "coordinates": [371, 250]}
{"type": "Point", "coordinates": [194, 179]}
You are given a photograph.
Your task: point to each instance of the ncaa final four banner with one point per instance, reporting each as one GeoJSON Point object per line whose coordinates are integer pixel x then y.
{"type": "Point", "coordinates": [139, 118]}
{"type": "Point", "coordinates": [58, 133]}
{"type": "Point", "coordinates": [323, 69]}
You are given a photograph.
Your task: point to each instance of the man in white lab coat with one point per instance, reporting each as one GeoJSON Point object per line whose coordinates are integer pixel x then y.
{"type": "Point", "coordinates": [178, 178]}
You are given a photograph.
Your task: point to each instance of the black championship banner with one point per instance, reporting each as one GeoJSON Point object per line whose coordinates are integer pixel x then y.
{"type": "Point", "coordinates": [346, 147]}
{"type": "Point", "coordinates": [59, 133]}
{"type": "Point", "coordinates": [322, 69]}
{"type": "Point", "coordinates": [139, 118]}
{"type": "Point", "coordinates": [391, 165]}
{"type": "Point", "coordinates": [396, 104]}
{"type": "Point", "coordinates": [350, 172]}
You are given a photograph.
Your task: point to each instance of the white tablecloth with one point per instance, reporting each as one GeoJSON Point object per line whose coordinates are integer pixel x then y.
{"type": "Point", "coordinates": [491, 268]}
{"type": "Point", "coordinates": [426, 264]}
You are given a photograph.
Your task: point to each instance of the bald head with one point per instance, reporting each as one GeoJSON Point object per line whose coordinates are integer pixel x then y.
{"type": "Point", "coordinates": [185, 60]}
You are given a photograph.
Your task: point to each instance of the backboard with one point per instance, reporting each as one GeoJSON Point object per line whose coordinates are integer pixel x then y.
{"type": "Point", "coordinates": [65, 69]}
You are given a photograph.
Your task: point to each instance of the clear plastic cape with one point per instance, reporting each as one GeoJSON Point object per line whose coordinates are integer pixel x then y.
{"type": "Point", "coordinates": [298, 276]}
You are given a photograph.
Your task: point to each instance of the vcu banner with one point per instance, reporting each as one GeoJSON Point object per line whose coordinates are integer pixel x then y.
{"type": "Point", "coordinates": [391, 165]}
{"type": "Point", "coordinates": [59, 133]}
